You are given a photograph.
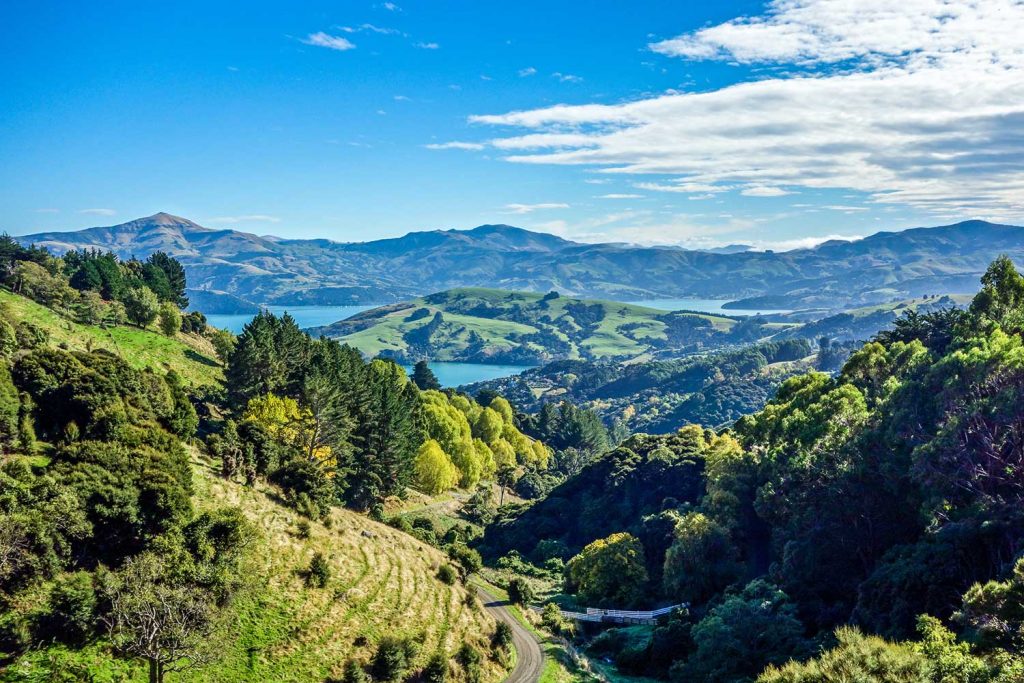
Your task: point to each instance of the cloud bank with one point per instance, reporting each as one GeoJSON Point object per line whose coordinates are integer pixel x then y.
{"type": "Point", "coordinates": [918, 103]}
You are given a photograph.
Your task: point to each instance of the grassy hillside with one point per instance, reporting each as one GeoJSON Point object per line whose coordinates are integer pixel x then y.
{"type": "Point", "coordinates": [383, 582]}
{"type": "Point", "coordinates": [190, 355]}
{"type": "Point", "coordinates": [493, 325]}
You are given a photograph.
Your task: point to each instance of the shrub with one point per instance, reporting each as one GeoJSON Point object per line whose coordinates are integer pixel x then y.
{"type": "Point", "coordinates": [502, 638]}
{"type": "Point", "coordinates": [392, 658]}
{"type": "Point", "coordinates": [303, 529]}
{"type": "Point", "coordinates": [319, 572]}
{"type": "Point", "coordinates": [446, 574]}
{"type": "Point", "coordinates": [354, 673]}
{"type": "Point", "coordinates": [70, 617]}
{"type": "Point", "coordinates": [467, 557]}
{"type": "Point", "coordinates": [436, 670]}
{"type": "Point", "coordinates": [470, 660]}
{"type": "Point", "coordinates": [551, 617]}
{"type": "Point", "coordinates": [519, 591]}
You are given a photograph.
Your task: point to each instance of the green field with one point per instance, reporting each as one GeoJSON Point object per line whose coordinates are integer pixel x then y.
{"type": "Point", "coordinates": [493, 325]}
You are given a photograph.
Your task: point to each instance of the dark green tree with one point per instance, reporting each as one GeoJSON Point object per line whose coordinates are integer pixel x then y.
{"type": "Point", "coordinates": [423, 377]}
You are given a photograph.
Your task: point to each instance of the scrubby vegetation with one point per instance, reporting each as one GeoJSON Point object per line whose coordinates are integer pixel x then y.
{"type": "Point", "coordinates": [887, 497]}
{"type": "Point", "coordinates": [123, 557]}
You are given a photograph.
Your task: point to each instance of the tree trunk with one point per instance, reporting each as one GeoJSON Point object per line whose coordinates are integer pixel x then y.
{"type": "Point", "coordinates": [154, 671]}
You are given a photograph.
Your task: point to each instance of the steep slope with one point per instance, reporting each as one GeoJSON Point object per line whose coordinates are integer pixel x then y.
{"type": "Point", "coordinates": [190, 355]}
{"type": "Point", "coordinates": [383, 582]}
{"type": "Point", "coordinates": [835, 275]}
{"type": "Point", "coordinates": [492, 325]}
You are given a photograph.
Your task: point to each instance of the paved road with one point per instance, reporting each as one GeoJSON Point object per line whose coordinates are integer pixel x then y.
{"type": "Point", "coordinates": [529, 658]}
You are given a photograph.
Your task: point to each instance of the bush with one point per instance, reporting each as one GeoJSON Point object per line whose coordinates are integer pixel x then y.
{"type": "Point", "coordinates": [470, 660]}
{"type": "Point", "coordinates": [392, 658]}
{"type": "Point", "coordinates": [169, 319]}
{"type": "Point", "coordinates": [467, 557]}
{"type": "Point", "coordinates": [319, 572]}
{"type": "Point", "coordinates": [70, 617]}
{"type": "Point", "coordinates": [502, 638]}
{"type": "Point", "coordinates": [520, 592]}
{"type": "Point", "coordinates": [354, 673]}
{"type": "Point", "coordinates": [551, 617]}
{"type": "Point", "coordinates": [402, 524]}
{"type": "Point", "coordinates": [436, 670]}
{"type": "Point", "coordinates": [303, 529]}
{"type": "Point", "coordinates": [446, 574]}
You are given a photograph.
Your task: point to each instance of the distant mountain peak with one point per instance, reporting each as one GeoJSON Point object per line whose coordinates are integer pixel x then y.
{"type": "Point", "coordinates": [163, 219]}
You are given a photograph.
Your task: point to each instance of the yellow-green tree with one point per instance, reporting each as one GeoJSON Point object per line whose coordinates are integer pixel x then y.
{"type": "Point", "coordinates": [435, 472]}
{"type": "Point", "coordinates": [609, 572]}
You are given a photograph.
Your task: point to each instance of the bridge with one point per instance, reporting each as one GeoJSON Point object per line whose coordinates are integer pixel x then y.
{"type": "Point", "coordinates": [618, 616]}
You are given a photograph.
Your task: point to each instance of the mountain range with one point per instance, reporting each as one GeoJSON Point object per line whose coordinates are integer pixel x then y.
{"type": "Point", "coordinates": [235, 271]}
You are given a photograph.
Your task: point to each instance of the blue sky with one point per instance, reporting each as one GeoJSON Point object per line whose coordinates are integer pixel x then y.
{"type": "Point", "coordinates": [680, 122]}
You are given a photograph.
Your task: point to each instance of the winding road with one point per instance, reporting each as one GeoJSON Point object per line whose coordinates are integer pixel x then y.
{"type": "Point", "coordinates": [529, 658]}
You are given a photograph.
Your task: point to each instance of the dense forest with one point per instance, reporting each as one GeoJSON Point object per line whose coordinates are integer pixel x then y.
{"type": "Point", "coordinates": [868, 524]}
{"type": "Point", "coordinates": [659, 396]}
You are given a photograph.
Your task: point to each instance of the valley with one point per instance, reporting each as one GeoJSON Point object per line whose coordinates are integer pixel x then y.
{"type": "Point", "coordinates": [512, 342]}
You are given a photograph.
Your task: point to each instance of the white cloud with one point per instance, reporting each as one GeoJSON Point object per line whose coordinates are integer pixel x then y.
{"type": "Point", "coordinates": [391, 7]}
{"type": "Point", "coordinates": [844, 208]}
{"type": "Point", "coordinates": [372, 29]}
{"type": "Point", "coordinates": [619, 195]}
{"type": "Point", "coordinates": [455, 144]}
{"type": "Point", "coordinates": [528, 71]}
{"type": "Point", "coordinates": [763, 191]}
{"type": "Point", "coordinates": [98, 212]}
{"type": "Point", "coordinates": [567, 78]}
{"type": "Point", "coordinates": [401, 98]}
{"type": "Point", "coordinates": [597, 181]}
{"type": "Point", "coordinates": [321, 39]}
{"type": "Point", "coordinates": [918, 103]}
{"type": "Point", "coordinates": [684, 187]}
{"type": "Point", "coordinates": [530, 208]}
{"type": "Point", "coordinates": [251, 218]}
{"type": "Point", "coordinates": [427, 46]}
{"type": "Point", "coordinates": [802, 242]}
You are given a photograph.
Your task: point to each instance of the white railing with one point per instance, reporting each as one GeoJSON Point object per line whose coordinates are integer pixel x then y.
{"type": "Point", "coordinates": [595, 614]}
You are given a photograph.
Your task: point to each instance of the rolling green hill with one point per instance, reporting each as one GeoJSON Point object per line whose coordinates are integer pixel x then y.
{"type": "Point", "coordinates": [493, 325]}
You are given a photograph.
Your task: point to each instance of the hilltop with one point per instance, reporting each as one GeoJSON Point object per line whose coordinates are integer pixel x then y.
{"type": "Point", "coordinates": [833, 276]}
{"type": "Point", "coordinates": [491, 325]}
